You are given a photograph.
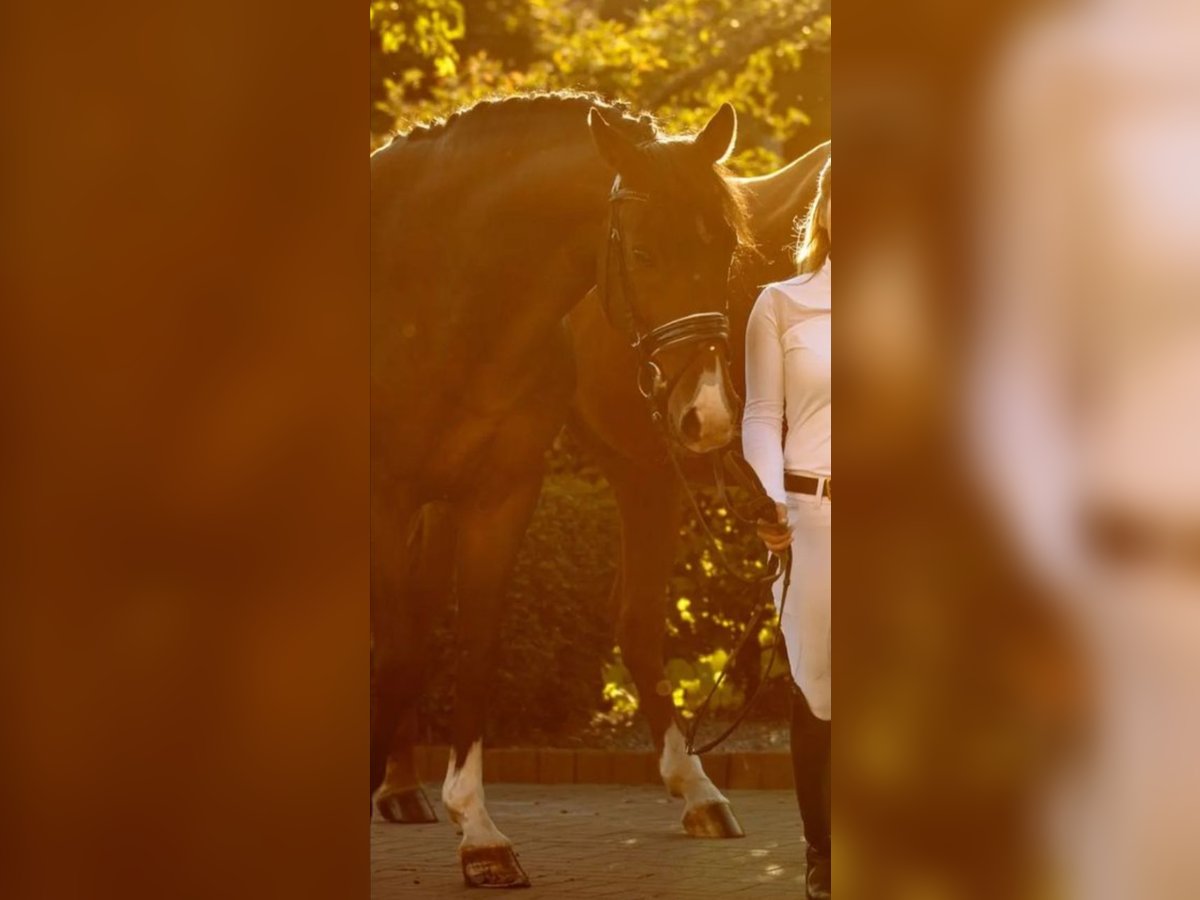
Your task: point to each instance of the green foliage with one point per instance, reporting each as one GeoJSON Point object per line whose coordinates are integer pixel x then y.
{"type": "Point", "coordinates": [679, 59]}
{"type": "Point", "coordinates": [426, 28]}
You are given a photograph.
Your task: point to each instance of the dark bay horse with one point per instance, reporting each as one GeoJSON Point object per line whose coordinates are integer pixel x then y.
{"type": "Point", "coordinates": [610, 418]}
{"type": "Point", "coordinates": [486, 229]}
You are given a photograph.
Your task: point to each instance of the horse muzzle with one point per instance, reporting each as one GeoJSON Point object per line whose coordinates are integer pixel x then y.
{"type": "Point", "coordinates": [702, 433]}
{"type": "Point", "coordinates": [703, 414]}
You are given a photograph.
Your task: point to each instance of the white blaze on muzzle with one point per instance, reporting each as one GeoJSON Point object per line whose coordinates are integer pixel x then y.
{"type": "Point", "coordinates": [709, 408]}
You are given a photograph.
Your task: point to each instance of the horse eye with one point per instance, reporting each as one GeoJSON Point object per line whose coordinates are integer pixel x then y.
{"type": "Point", "coordinates": [642, 256]}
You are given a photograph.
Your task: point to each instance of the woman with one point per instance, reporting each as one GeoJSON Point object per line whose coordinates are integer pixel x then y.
{"type": "Point", "coordinates": [788, 379]}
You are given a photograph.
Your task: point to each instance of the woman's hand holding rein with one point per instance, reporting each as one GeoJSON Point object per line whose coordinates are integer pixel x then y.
{"type": "Point", "coordinates": [776, 535]}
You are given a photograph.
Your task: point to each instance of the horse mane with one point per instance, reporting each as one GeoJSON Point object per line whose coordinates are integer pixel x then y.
{"type": "Point", "coordinates": [713, 187]}
{"type": "Point", "coordinates": [537, 105]}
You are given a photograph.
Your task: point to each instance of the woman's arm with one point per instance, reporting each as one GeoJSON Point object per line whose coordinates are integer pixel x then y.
{"type": "Point", "coordinates": [762, 423]}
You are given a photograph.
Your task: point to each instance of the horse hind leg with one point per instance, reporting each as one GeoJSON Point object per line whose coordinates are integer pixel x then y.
{"type": "Point", "coordinates": [402, 638]}
{"type": "Point", "coordinates": [649, 523]}
{"type": "Point", "coordinates": [401, 799]}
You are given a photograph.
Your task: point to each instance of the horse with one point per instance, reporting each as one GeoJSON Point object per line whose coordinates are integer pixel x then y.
{"type": "Point", "coordinates": [609, 418]}
{"type": "Point", "coordinates": [486, 229]}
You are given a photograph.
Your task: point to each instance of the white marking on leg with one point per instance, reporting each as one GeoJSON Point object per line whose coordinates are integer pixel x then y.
{"type": "Point", "coordinates": [462, 792]}
{"type": "Point", "coordinates": [683, 774]}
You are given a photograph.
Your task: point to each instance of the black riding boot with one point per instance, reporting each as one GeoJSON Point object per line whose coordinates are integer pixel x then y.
{"type": "Point", "coordinates": [811, 741]}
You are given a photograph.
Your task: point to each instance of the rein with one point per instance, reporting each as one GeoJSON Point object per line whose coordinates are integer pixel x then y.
{"type": "Point", "coordinates": [779, 565]}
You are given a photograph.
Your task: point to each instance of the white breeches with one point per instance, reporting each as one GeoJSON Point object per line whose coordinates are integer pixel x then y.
{"type": "Point", "coordinates": [806, 620]}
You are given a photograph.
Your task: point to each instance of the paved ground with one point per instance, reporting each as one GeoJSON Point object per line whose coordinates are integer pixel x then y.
{"type": "Point", "coordinates": [591, 841]}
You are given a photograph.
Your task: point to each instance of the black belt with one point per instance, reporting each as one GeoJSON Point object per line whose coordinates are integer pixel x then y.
{"type": "Point", "coordinates": [806, 484]}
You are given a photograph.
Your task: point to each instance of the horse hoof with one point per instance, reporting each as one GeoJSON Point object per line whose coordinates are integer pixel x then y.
{"type": "Point", "coordinates": [494, 867]}
{"type": "Point", "coordinates": [712, 820]}
{"type": "Point", "coordinates": [410, 807]}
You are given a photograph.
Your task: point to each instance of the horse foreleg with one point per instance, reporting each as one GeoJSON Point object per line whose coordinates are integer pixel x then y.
{"type": "Point", "coordinates": [492, 525]}
{"type": "Point", "coordinates": [430, 559]}
{"type": "Point", "coordinates": [649, 504]}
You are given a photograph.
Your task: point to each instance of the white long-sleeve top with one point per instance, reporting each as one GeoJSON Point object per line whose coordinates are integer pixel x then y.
{"type": "Point", "coordinates": [788, 379]}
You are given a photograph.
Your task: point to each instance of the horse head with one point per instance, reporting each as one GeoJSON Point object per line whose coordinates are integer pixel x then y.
{"type": "Point", "coordinates": [673, 227]}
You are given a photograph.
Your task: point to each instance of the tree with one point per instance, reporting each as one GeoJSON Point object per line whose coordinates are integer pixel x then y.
{"type": "Point", "coordinates": [679, 59]}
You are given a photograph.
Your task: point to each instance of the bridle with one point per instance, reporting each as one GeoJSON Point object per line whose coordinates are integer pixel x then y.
{"type": "Point", "coordinates": [696, 330]}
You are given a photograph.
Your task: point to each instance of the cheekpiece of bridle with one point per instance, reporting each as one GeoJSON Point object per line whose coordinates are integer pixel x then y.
{"type": "Point", "coordinates": [695, 329]}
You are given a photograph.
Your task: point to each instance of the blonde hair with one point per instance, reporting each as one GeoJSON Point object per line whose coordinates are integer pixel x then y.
{"type": "Point", "coordinates": [813, 245]}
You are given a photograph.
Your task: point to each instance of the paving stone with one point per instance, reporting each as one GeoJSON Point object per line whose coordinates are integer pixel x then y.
{"type": "Point", "coordinates": [612, 841]}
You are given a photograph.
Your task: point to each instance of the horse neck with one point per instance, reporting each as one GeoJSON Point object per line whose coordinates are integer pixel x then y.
{"type": "Point", "coordinates": [557, 200]}
{"type": "Point", "coordinates": [544, 215]}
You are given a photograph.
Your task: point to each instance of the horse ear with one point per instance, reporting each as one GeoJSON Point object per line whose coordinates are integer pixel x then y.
{"type": "Point", "coordinates": [715, 141]}
{"type": "Point", "coordinates": [616, 149]}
